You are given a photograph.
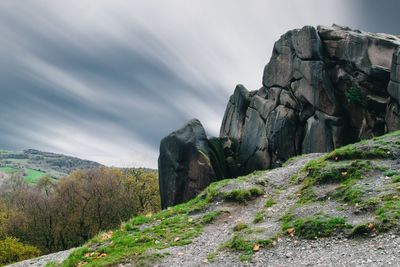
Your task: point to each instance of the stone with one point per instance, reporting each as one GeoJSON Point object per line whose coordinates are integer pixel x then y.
{"type": "Point", "coordinates": [323, 133]}
{"type": "Point", "coordinates": [253, 150]}
{"type": "Point", "coordinates": [394, 90]}
{"type": "Point", "coordinates": [307, 44]}
{"type": "Point", "coordinates": [282, 135]}
{"type": "Point", "coordinates": [392, 117]}
{"type": "Point", "coordinates": [235, 113]}
{"type": "Point", "coordinates": [184, 164]}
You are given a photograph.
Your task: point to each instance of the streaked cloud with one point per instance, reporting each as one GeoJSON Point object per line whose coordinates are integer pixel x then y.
{"type": "Point", "coordinates": [106, 80]}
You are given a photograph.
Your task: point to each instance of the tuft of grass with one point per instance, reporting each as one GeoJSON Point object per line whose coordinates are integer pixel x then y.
{"type": "Point", "coordinates": [350, 193]}
{"type": "Point", "coordinates": [388, 213]}
{"type": "Point", "coordinates": [211, 256]}
{"type": "Point", "coordinates": [390, 173]}
{"type": "Point", "coordinates": [243, 195]}
{"type": "Point", "coordinates": [239, 243]}
{"type": "Point", "coordinates": [396, 178]}
{"type": "Point", "coordinates": [362, 230]}
{"type": "Point", "coordinates": [210, 217]}
{"type": "Point", "coordinates": [313, 226]}
{"type": "Point", "coordinates": [52, 264]}
{"type": "Point", "coordinates": [240, 226]}
{"type": "Point", "coordinates": [259, 217]}
{"type": "Point", "coordinates": [269, 202]}
{"type": "Point", "coordinates": [325, 172]}
{"type": "Point", "coordinates": [306, 194]}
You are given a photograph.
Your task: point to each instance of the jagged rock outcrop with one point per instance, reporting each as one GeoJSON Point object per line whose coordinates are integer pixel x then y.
{"type": "Point", "coordinates": [322, 88]}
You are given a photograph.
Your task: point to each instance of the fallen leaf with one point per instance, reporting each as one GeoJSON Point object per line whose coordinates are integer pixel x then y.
{"type": "Point", "coordinates": [371, 226]}
{"type": "Point", "coordinates": [148, 215]}
{"type": "Point", "coordinates": [180, 253]}
{"type": "Point", "coordinates": [256, 247]}
{"type": "Point", "coordinates": [205, 261]}
{"type": "Point", "coordinates": [176, 239]}
{"type": "Point", "coordinates": [290, 231]}
{"type": "Point", "coordinates": [190, 220]}
{"type": "Point", "coordinates": [106, 236]}
{"type": "Point", "coordinates": [344, 173]}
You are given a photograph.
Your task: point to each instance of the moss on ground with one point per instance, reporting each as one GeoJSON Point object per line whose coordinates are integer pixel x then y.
{"type": "Point", "coordinates": [245, 246]}
{"type": "Point", "coordinates": [243, 195]}
{"type": "Point", "coordinates": [259, 217]}
{"type": "Point", "coordinates": [269, 202]}
{"type": "Point", "coordinates": [311, 227]}
{"type": "Point", "coordinates": [240, 226]}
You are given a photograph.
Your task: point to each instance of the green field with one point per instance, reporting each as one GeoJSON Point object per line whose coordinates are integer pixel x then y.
{"type": "Point", "coordinates": [8, 170]}
{"type": "Point", "coordinates": [31, 176]}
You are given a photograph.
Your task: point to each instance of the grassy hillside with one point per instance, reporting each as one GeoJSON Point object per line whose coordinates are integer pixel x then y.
{"type": "Point", "coordinates": [34, 164]}
{"type": "Point", "coordinates": [350, 192]}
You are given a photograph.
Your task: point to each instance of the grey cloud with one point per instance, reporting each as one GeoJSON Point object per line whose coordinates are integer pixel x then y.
{"type": "Point", "coordinates": [106, 80]}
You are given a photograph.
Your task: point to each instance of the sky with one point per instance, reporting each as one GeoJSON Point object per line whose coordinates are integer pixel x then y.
{"type": "Point", "coordinates": [107, 80]}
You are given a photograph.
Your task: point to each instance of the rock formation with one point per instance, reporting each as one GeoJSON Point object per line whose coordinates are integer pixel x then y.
{"type": "Point", "coordinates": [322, 88]}
{"type": "Point", "coordinates": [184, 164]}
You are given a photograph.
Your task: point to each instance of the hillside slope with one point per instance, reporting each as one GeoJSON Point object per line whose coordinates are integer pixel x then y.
{"type": "Point", "coordinates": [33, 164]}
{"type": "Point", "coordinates": [338, 208]}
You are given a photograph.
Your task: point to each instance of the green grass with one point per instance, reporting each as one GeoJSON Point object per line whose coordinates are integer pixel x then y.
{"type": "Point", "coordinates": [210, 217]}
{"type": "Point", "coordinates": [390, 173]}
{"type": "Point", "coordinates": [245, 246]}
{"type": "Point", "coordinates": [243, 195]}
{"type": "Point", "coordinates": [8, 170]}
{"type": "Point", "coordinates": [32, 176]}
{"type": "Point", "coordinates": [269, 202]}
{"type": "Point", "coordinates": [396, 178]}
{"type": "Point", "coordinates": [259, 217]}
{"type": "Point", "coordinates": [361, 230]}
{"type": "Point", "coordinates": [211, 256]}
{"type": "Point", "coordinates": [240, 226]}
{"type": "Point", "coordinates": [313, 226]}
{"type": "Point", "coordinates": [388, 213]}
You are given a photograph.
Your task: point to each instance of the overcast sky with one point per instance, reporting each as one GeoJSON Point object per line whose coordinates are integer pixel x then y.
{"type": "Point", "coordinates": [106, 80]}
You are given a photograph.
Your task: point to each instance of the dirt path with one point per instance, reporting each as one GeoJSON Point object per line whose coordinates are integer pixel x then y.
{"type": "Point", "coordinates": [43, 260]}
{"type": "Point", "coordinates": [220, 231]}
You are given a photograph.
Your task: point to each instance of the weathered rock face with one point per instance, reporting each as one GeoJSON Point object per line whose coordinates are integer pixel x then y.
{"type": "Point", "coordinates": [184, 164]}
{"type": "Point", "coordinates": [323, 88]}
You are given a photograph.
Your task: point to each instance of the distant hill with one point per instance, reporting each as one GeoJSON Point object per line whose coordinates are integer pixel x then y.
{"type": "Point", "coordinates": [34, 164]}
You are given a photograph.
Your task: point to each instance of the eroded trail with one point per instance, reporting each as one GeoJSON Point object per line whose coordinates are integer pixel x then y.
{"type": "Point", "coordinates": [207, 249]}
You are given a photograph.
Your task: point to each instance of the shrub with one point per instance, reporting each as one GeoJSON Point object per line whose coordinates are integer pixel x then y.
{"type": "Point", "coordinates": [11, 250]}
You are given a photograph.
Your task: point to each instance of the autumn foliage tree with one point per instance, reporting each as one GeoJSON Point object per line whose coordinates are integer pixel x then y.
{"type": "Point", "coordinates": [56, 216]}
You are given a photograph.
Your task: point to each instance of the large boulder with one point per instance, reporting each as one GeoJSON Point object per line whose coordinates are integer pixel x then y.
{"type": "Point", "coordinates": [184, 164]}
